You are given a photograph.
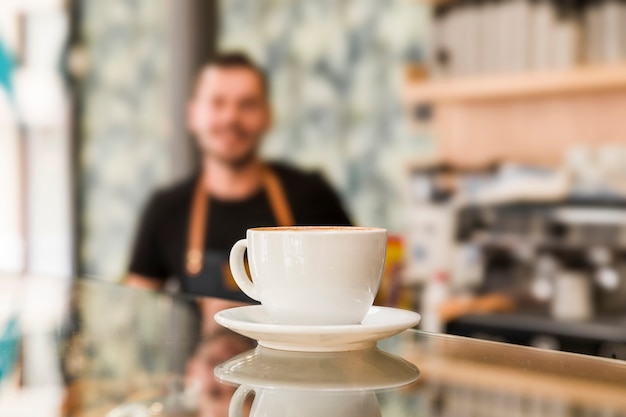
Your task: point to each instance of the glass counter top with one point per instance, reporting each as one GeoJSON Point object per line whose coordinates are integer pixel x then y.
{"type": "Point", "coordinates": [91, 348]}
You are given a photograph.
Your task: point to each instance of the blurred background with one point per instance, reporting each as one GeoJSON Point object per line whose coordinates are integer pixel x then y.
{"type": "Point", "coordinates": [489, 137]}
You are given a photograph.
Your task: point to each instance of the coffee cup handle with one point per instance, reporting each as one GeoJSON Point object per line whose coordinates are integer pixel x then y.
{"type": "Point", "coordinates": [238, 269]}
{"type": "Point", "coordinates": [235, 409]}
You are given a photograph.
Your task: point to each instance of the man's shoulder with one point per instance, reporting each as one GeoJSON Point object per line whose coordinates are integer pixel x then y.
{"type": "Point", "coordinates": [173, 197]}
{"type": "Point", "coordinates": [303, 186]}
{"type": "Point", "coordinates": [313, 200]}
{"type": "Point", "coordinates": [293, 177]}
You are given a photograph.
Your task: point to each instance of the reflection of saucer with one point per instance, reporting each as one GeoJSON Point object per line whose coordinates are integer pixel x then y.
{"type": "Point", "coordinates": [368, 369]}
{"type": "Point", "coordinates": [379, 323]}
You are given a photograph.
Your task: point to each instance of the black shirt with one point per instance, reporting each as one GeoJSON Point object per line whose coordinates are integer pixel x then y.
{"type": "Point", "coordinates": [160, 244]}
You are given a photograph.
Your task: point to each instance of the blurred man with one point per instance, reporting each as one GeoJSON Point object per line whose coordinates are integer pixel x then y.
{"type": "Point", "coordinates": [187, 231]}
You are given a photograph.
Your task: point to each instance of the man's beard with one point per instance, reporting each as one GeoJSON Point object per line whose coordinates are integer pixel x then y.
{"type": "Point", "coordinates": [235, 163]}
{"type": "Point", "coordinates": [238, 162]}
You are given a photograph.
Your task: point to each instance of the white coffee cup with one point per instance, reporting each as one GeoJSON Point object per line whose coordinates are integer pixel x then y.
{"type": "Point", "coordinates": [312, 275]}
{"type": "Point", "coordinates": [287, 403]}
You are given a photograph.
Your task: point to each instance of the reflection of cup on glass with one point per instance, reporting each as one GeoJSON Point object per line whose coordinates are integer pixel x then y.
{"type": "Point", "coordinates": [313, 383]}
{"type": "Point", "coordinates": [312, 275]}
{"type": "Point", "coordinates": [367, 369]}
{"type": "Point", "coordinates": [286, 403]}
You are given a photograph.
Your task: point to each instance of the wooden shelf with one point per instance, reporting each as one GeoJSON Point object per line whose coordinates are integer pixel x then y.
{"type": "Point", "coordinates": [518, 86]}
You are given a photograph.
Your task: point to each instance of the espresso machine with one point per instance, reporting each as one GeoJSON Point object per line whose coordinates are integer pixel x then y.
{"type": "Point", "coordinates": [563, 263]}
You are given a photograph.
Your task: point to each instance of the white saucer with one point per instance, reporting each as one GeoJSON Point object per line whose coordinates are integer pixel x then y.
{"type": "Point", "coordinates": [379, 323]}
{"type": "Point", "coordinates": [368, 369]}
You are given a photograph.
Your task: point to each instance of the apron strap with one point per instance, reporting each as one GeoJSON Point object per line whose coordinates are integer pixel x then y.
{"type": "Point", "coordinates": [197, 229]}
{"type": "Point", "coordinates": [278, 200]}
{"type": "Point", "coordinates": [200, 212]}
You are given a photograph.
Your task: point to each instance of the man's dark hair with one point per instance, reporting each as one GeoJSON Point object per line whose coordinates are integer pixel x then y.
{"type": "Point", "coordinates": [238, 60]}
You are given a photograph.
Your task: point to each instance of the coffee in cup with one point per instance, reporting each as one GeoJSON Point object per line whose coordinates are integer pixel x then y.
{"type": "Point", "coordinates": [312, 275]}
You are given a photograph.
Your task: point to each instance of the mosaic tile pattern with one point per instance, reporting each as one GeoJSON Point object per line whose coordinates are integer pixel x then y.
{"type": "Point", "coordinates": [125, 135]}
{"type": "Point", "coordinates": [336, 71]}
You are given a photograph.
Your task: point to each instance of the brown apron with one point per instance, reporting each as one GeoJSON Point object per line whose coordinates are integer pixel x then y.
{"type": "Point", "coordinates": [207, 270]}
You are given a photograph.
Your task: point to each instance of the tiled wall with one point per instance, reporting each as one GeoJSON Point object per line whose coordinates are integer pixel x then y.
{"type": "Point", "coordinates": [336, 69]}
{"type": "Point", "coordinates": [125, 134]}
